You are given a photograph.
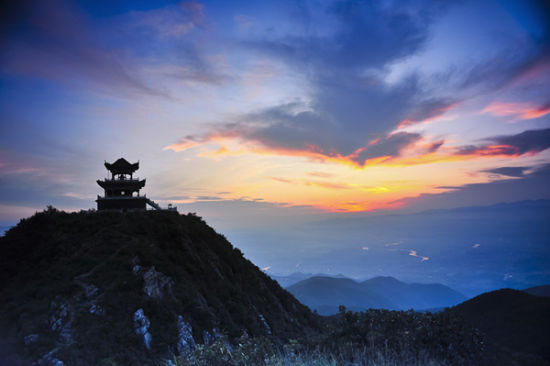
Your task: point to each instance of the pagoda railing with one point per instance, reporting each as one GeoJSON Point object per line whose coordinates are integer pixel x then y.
{"type": "Point", "coordinates": [136, 179]}
{"type": "Point", "coordinates": [121, 197]}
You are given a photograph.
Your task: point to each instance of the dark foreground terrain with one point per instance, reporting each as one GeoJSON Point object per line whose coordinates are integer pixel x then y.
{"type": "Point", "coordinates": [158, 288]}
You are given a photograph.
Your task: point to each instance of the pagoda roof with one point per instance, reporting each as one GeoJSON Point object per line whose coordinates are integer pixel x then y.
{"type": "Point", "coordinates": [122, 166]}
{"type": "Point", "coordinates": [126, 184]}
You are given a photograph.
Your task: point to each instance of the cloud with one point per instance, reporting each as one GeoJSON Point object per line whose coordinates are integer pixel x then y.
{"type": "Point", "coordinates": [277, 130]}
{"type": "Point", "coordinates": [329, 185]}
{"type": "Point", "coordinates": [524, 60]}
{"type": "Point", "coordinates": [516, 171]}
{"type": "Point", "coordinates": [526, 142]}
{"type": "Point", "coordinates": [389, 147]}
{"type": "Point", "coordinates": [350, 112]}
{"type": "Point", "coordinates": [476, 246]}
{"type": "Point", "coordinates": [268, 133]}
{"type": "Point", "coordinates": [517, 110]}
{"type": "Point", "coordinates": [352, 116]}
{"type": "Point", "coordinates": [172, 21]}
{"type": "Point", "coordinates": [281, 180]}
{"type": "Point", "coordinates": [533, 185]}
{"type": "Point", "coordinates": [332, 185]}
{"type": "Point", "coordinates": [413, 253]}
{"type": "Point", "coordinates": [428, 111]}
{"type": "Point", "coordinates": [208, 198]}
{"type": "Point", "coordinates": [56, 41]}
{"type": "Point", "coordinates": [128, 54]}
{"type": "Point", "coordinates": [321, 174]}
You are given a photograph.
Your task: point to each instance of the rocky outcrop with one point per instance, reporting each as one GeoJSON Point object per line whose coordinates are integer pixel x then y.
{"type": "Point", "coordinates": [141, 326]}
{"type": "Point", "coordinates": [267, 327]}
{"type": "Point", "coordinates": [186, 342]}
{"type": "Point", "coordinates": [61, 320]}
{"type": "Point", "coordinates": [156, 284]}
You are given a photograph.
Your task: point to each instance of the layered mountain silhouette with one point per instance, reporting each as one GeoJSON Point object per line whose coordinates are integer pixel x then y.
{"type": "Point", "coordinates": [291, 279]}
{"type": "Point", "coordinates": [326, 294]}
{"type": "Point", "coordinates": [131, 288]}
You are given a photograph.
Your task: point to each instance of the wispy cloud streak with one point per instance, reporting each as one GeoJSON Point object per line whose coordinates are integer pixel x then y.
{"type": "Point", "coordinates": [517, 110]}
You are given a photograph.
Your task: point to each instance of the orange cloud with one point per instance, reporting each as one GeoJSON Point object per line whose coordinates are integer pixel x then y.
{"type": "Point", "coordinates": [320, 174]}
{"type": "Point", "coordinates": [517, 110]}
{"type": "Point", "coordinates": [332, 185]}
{"type": "Point", "coordinates": [326, 184]}
{"type": "Point", "coordinates": [397, 149]}
{"type": "Point", "coordinates": [282, 180]}
{"type": "Point", "coordinates": [424, 155]}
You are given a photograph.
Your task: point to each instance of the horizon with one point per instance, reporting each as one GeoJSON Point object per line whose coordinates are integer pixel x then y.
{"type": "Point", "coordinates": [409, 140]}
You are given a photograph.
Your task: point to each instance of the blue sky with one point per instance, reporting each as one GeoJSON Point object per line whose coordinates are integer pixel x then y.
{"type": "Point", "coordinates": [262, 115]}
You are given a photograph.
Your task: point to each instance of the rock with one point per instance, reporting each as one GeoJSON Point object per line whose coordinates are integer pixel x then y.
{"type": "Point", "coordinates": [156, 283]}
{"type": "Point", "coordinates": [210, 337]}
{"type": "Point", "coordinates": [31, 338]}
{"type": "Point", "coordinates": [136, 267]}
{"type": "Point", "coordinates": [49, 360]}
{"type": "Point", "coordinates": [58, 317]}
{"type": "Point", "coordinates": [96, 309]}
{"type": "Point", "coordinates": [267, 328]}
{"type": "Point", "coordinates": [61, 321]}
{"type": "Point", "coordinates": [141, 326]}
{"type": "Point", "coordinates": [186, 341]}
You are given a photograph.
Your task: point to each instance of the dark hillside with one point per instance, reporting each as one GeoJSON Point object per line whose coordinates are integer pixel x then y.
{"type": "Point", "coordinates": [543, 290]}
{"type": "Point", "coordinates": [131, 287]}
{"type": "Point", "coordinates": [512, 319]}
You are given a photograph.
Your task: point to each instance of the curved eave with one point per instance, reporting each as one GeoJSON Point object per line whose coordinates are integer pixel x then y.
{"type": "Point", "coordinates": [122, 167]}
{"type": "Point", "coordinates": [121, 184]}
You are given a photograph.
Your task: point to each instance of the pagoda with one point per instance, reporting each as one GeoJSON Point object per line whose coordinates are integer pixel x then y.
{"type": "Point", "coordinates": [122, 189]}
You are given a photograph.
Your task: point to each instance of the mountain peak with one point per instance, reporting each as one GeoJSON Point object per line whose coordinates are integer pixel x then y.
{"type": "Point", "coordinates": [148, 283]}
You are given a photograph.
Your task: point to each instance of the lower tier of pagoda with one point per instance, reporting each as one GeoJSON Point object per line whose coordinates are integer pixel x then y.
{"type": "Point", "coordinates": [121, 203]}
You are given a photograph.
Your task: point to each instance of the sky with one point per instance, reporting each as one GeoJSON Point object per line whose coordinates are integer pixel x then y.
{"type": "Point", "coordinates": [277, 121]}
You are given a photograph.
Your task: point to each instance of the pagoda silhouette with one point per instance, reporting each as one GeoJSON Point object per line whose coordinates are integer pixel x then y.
{"type": "Point", "coordinates": [122, 189]}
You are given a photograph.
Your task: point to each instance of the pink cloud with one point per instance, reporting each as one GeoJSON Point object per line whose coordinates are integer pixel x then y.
{"type": "Point", "coordinates": [522, 110]}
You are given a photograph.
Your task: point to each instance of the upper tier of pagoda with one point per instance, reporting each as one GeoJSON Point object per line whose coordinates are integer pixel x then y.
{"type": "Point", "coordinates": [122, 166]}
{"type": "Point", "coordinates": [121, 187]}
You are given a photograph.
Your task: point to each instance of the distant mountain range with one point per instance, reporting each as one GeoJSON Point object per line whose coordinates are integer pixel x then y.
{"type": "Point", "coordinates": [326, 294]}
{"type": "Point", "coordinates": [289, 280]}
{"type": "Point", "coordinates": [515, 323]}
